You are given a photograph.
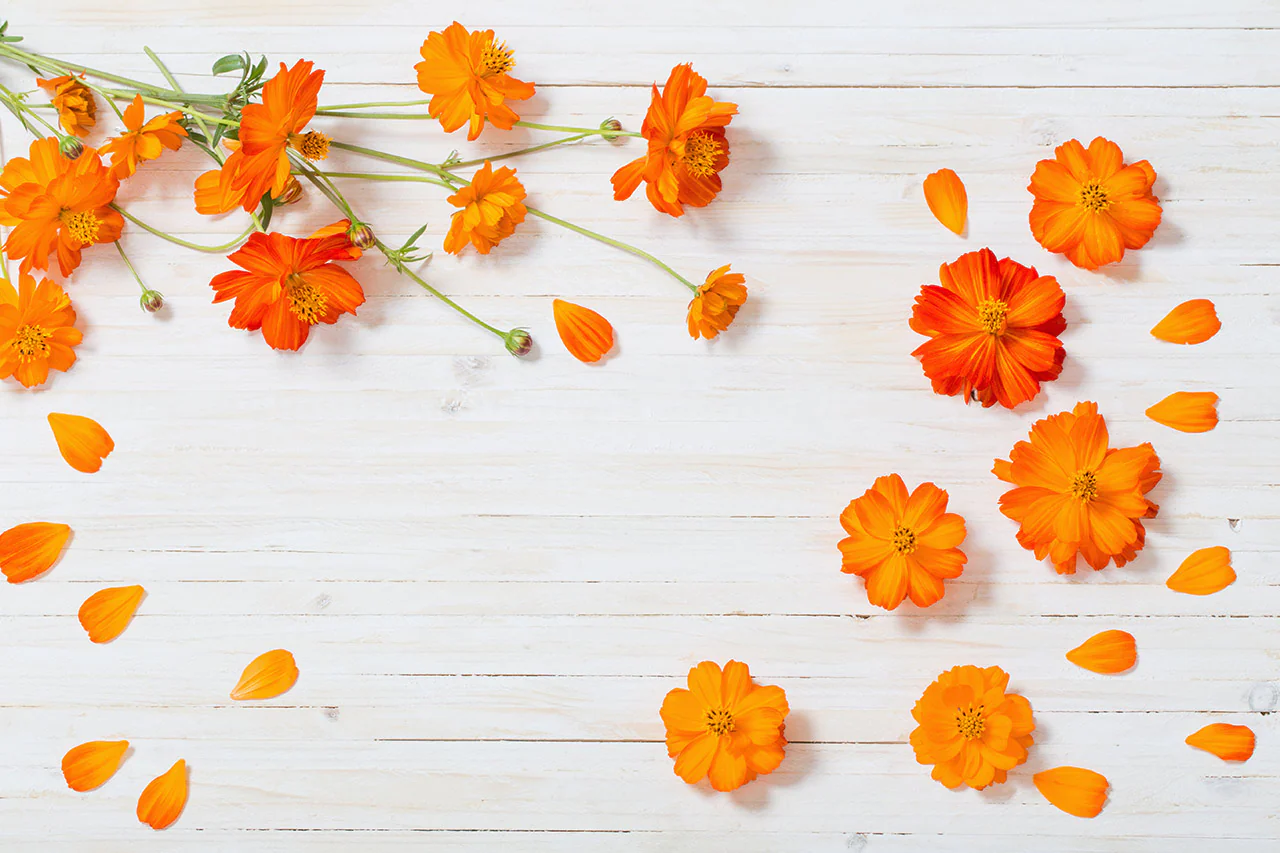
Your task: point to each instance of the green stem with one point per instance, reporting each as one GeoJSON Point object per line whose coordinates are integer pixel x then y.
{"type": "Point", "coordinates": [389, 254]}
{"type": "Point", "coordinates": [178, 240]}
{"type": "Point", "coordinates": [481, 160]}
{"type": "Point", "coordinates": [362, 105]}
{"type": "Point", "coordinates": [376, 176]}
{"type": "Point", "coordinates": [394, 158]}
{"type": "Point", "coordinates": [137, 85]}
{"type": "Point", "coordinates": [586, 131]}
{"type": "Point", "coordinates": [330, 113]}
{"type": "Point", "coordinates": [129, 264]}
{"type": "Point", "coordinates": [177, 87]}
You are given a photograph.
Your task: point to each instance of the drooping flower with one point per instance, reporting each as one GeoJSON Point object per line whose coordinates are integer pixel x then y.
{"type": "Point", "coordinates": [1187, 411]}
{"type": "Point", "coordinates": [1203, 573]}
{"type": "Point", "coordinates": [57, 206]}
{"type": "Point", "coordinates": [902, 545]}
{"type": "Point", "coordinates": [269, 129]}
{"type": "Point", "coordinates": [970, 729]}
{"type": "Point", "coordinates": [164, 798]}
{"type": "Point", "coordinates": [82, 441]}
{"type": "Point", "coordinates": [1192, 322]}
{"type": "Point", "coordinates": [29, 550]}
{"type": "Point", "coordinates": [343, 228]}
{"type": "Point", "coordinates": [585, 334]}
{"type": "Point", "coordinates": [218, 190]}
{"type": "Point", "coordinates": [1228, 742]}
{"type": "Point", "coordinates": [1075, 495]}
{"type": "Point", "coordinates": [77, 110]}
{"type": "Point", "coordinates": [91, 764]}
{"type": "Point", "coordinates": [143, 140]}
{"type": "Point", "coordinates": [687, 146]}
{"type": "Point", "coordinates": [1090, 206]}
{"type": "Point", "coordinates": [947, 200]}
{"type": "Point", "coordinates": [492, 206]}
{"type": "Point", "coordinates": [267, 676]}
{"type": "Point", "coordinates": [467, 75]}
{"type": "Point", "coordinates": [725, 726]}
{"type": "Point", "coordinates": [1075, 790]}
{"type": "Point", "coordinates": [716, 303]}
{"type": "Point", "coordinates": [992, 328]}
{"type": "Point", "coordinates": [1106, 653]}
{"type": "Point", "coordinates": [105, 614]}
{"type": "Point", "coordinates": [37, 330]}
{"type": "Point", "coordinates": [287, 285]}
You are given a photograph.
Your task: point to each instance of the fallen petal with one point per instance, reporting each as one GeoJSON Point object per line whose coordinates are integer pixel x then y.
{"type": "Point", "coordinates": [1203, 573]}
{"type": "Point", "coordinates": [1228, 742]}
{"type": "Point", "coordinates": [944, 192]}
{"type": "Point", "coordinates": [106, 613]}
{"type": "Point", "coordinates": [586, 335]}
{"type": "Point", "coordinates": [82, 441]}
{"type": "Point", "coordinates": [29, 550]}
{"type": "Point", "coordinates": [1187, 411]}
{"type": "Point", "coordinates": [1108, 653]}
{"type": "Point", "coordinates": [164, 797]}
{"type": "Point", "coordinates": [1192, 322]}
{"type": "Point", "coordinates": [1075, 790]}
{"type": "Point", "coordinates": [91, 764]}
{"type": "Point", "coordinates": [268, 675]}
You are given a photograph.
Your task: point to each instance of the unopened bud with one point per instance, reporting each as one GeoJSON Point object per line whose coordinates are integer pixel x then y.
{"type": "Point", "coordinates": [610, 124]}
{"type": "Point", "coordinates": [151, 301]}
{"type": "Point", "coordinates": [361, 236]}
{"type": "Point", "coordinates": [519, 342]}
{"type": "Point", "coordinates": [71, 147]}
{"type": "Point", "coordinates": [292, 192]}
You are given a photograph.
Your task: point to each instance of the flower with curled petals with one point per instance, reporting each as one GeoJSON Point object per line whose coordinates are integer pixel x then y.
{"type": "Point", "coordinates": [468, 76]}
{"type": "Point", "coordinates": [143, 140]}
{"type": "Point", "coordinates": [715, 304]}
{"type": "Point", "coordinates": [77, 110]}
{"type": "Point", "coordinates": [492, 206]}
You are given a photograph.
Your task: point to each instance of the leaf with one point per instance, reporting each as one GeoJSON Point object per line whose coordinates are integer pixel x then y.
{"type": "Point", "coordinates": [230, 62]}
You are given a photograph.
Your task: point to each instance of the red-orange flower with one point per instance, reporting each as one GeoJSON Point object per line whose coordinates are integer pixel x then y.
{"type": "Point", "coordinates": [992, 328]}
{"type": "Point", "coordinates": [269, 129]}
{"type": "Point", "coordinates": [687, 145]}
{"type": "Point", "coordinates": [468, 78]}
{"type": "Point", "coordinates": [287, 285]}
{"type": "Point", "coordinates": [716, 303]}
{"type": "Point", "coordinates": [77, 110]}
{"type": "Point", "coordinates": [1090, 206]}
{"type": "Point", "coordinates": [37, 330]}
{"type": "Point", "coordinates": [216, 191]}
{"type": "Point", "coordinates": [57, 206]}
{"type": "Point", "coordinates": [492, 206]}
{"type": "Point", "coordinates": [143, 141]}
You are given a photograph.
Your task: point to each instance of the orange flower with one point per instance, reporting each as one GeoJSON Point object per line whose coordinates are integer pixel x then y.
{"type": "Point", "coordinates": [105, 614]}
{"type": "Point", "coordinates": [143, 141]}
{"type": "Point", "coordinates": [1187, 411]}
{"type": "Point", "coordinates": [29, 550]}
{"type": "Point", "coordinates": [1228, 742]}
{"type": "Point", "coordinates": [1107, 653]}
{"type": "Point", "coordinates": [716, 303]}
{"type": "Point", "coordinates": [687, 146]}
{"type": "Point", "coordinates": [492, 206]}
{"type": "Point", "coordinates": [1203, 573]}
{"type": "Point", "coordinates": [164, 797]}
{"type": "Point", "coordinates": [947, 200]}
{"type": "Point", "coordinates": [77, 110]}
{"type": "Point", "coordinates": [1192, 322]}
{"type": "Point", "coordinates": [992, 328]}
{"type": "Point", "coordinates": [269, 129]}
{"type": "Point", "coordinates": [37, 330]}
{"type": "Point", "coordinates": [1077, 496]}
{"type": "Point", "coordinates": [902, 545]}
{"type": "Point", "coordinates": [90, 765]}
{"type": "Point", "coordinates": [1090, 206]}
{"type": "Point", "coordinates": [1075, 790]}
{"type": "Point", "coordinates": [287, 285]}
{"type": "Point", "coordinates": [970, 729]}
{"type": "Point", "coordinates": [585, 334]}
{"type": "Point", "coordinates": [56, 205]}
{"type": "Point", "coordinates": [82, 441]}
{"type": "Point", "coordinates": [466, 75]}
{"type": "Point", "coordinates": [267, 676]}
{"type": "Point", "coordinates": [725, 726]}
{"type": "Point", "coordinates": [217, 190]}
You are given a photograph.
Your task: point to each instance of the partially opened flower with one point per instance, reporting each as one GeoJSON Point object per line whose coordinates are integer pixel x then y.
{"type": "Point", "coordinates": [1228, 742]}
{"type": "Point", "coordinates": [468, 75]}
{"type": "Point", "coordinates": [29, 550]}
{"type": "Point", "coordinates": [992, 328]}
{"type": "Point", "coordinates": [725, 727]}
{"type": "Point", "coordinates": [77, 110]}
{"type": "Point", "coordinates": [687, 146]}
{"type": "Point", "coordinates": [947, 200]}
{"type": "Point", "coordinates": [269, 129]}
{"type": "Point", "coordinates": [1203, 573]}
{"type": "Point", "coordinates": [219, 190]}
{"type": "Point", "coordinates": [902, 545]}
{"type": "Point", "coordinates": [1075, 790]}
{"type": "Point", "coordinates": [37, 330]}
{"type": "Point", "coordinates": [82, 441]}
{"type": "Point", "coordinates": [970, 729]}
{"type": "Point", "coordinates": [91, 764]}
{"type": "Point", "coordinates": [164, 798]}
{"type": "Point", "coordinates": [1107, 653]}
{"type": "Point", "coordinates": [105, 614]}
{"type": "Point", "coordinates": [343, 228]}
{"type": "Point", "coordinates": [716, 303]}
{"type": "Point", "coordinates": [492, 206]}
{"type": "Point", "coordinates": [267, 676]}
{"type": "Point", "coordinates": [1090, 206]}
{"type": "Point", "coordinates": [143, 140]}
{"type": "Point", "coordinates": [585, 334]}
{"type": "Point", "coordinates": [1192, 322]}
{"type": "Point", "coordinates": [1187, 411]}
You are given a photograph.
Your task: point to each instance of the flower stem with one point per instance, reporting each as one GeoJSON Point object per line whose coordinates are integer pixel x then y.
{"type": "Point", "coordinates": [367, 104]}
{"type": "Point", "coordinates": [137, 85]}
{"type": "Point", "coordinates": [462, 164]}
{"type": "Point", "coordinates": [129, 264]}
{"type": "Point", "coordinates": [585, 131]}
{"type": "Point", "coordinates": [178, 240]}
{"type": "Point", "coordinates": [617, 244]}
{"type": "Point", "coordinates": [389, 255]}
{"type": "Point", "coordinates": [377, 176]}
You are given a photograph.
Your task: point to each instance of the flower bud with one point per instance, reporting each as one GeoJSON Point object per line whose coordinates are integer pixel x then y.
{"type": "Point", "coordinates": [610, 124]}
{"type": "Point", "coordinates": [519, 342]}
{"type": "Point", "coordinates": [292, 192]}
{"type": "Point", "coordinates": [361, 236]}
{"type": "Point", "coordinates": [71, 147]}
{"type": "Point", "coordinates": [151, 301]}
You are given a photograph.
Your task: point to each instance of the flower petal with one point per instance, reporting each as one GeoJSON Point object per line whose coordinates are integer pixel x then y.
{"type": "Point", "coordinates": [30, 550]}
{"type": "Point", "coordinates": [1075, 790]}
{"type": "Point", "coordinates": [1108, 652]}
{"type": "Point", "coordinates": [82, 441]}
{"type": "Point", "coordinates": [106, 613]}
{"type": "Point", "coordinates": [586, 335]}
{"type": "Point", "coordinates": [1228, 742]}
{"type": "Point", "coordinates": [91, 764]}
{"type": "Point", "coordinates": [1192, 322]}
{"type": "Point", "coordinates": [1203, 573]}
{"type": "Point", "coordinates": [1187, 411]}
{"type": "Point", "coordinates": [164, 797]}
{"type": "Point", "coordinates": [944, 191]}
{"type": "Point", "coordinates": [267, 676]}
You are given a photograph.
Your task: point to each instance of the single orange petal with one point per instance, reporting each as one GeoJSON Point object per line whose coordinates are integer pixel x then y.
{"type": "Point", "coordinates": [1187, 411]}
{"type": "Point", "coordinates": [586, 335]}
{"type": "Point", "coordinates": [944, 191]}
{"type": "Point", "coordinates": [1108, 653]}
{"type": "Point", "coordinates": [1228, 742]}
{"type": "Point", "coordinates": [164, 797]}
{"type": "Point", "coordinates": [1192, 322]}
{"type": "Point", "coordinates": [82, 441]}
{"type": "Point", "coordinates": [30, 550]}
{"type": "Point", "coordinates": [1203, 573]}
{"type": "Point", "coordinates": [106, 613]}
{"type": "Point", "coordinates": [1075, 790]}
{"type": "Point", "coordinates": [91, 764]}
{"type": "Point", "coordinates": [268, 675]}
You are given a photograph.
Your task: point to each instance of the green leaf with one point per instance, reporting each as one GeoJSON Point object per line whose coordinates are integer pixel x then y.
{"type": "Point", "coordinates": [230, 62]}
{"type": "Point", "coordinates": [413, 238]}
{"type": "Point", "coordinates": [267, 207]}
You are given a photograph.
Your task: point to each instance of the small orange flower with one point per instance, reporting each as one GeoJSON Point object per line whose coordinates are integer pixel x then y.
{"type": "Point", "coordinates": [1075, 495]}
{"type": "Point", "coordinates": [217, 191]}
{"type": "Point", "coordinates": [970, 729]}
{"type": "Point", "coordinates": [77, 110]}
{"type": "Point", "coordinates": [82, 441]}
{"type": "Point", "coordinates": [56, 205]}
{"type": "Point", "coordinates": [37, 330]}
{"type": "Point", "coordinates": [725, 726]}
{"type": "Point", "coordinates": [288, 285]}
{"type": "Point", "coordinates": [267, 676]}
{"type": "Point", "coordinates": [29, 550]}
{"type": "Point", "coordinates": [492, 206]}
{"type": "Point", "coordinates": [687, 146]}
{"type": "Point", "coordinates": [1107, 653]}
{"type": "Point", "coordinates": [1192, 322]}
{"type": "Point", "coordinates": [1075, 790]}
{"type": "Point", "coordinates": [585, 334]}
{"type": "Point", "coordinates": [105, 614]}
{"type": "Point", "coordinates": [1187, 411]}
{"type": "Point", "coordinates": [992, 328]}
{"type": "Point", "coordinates": [143, 141]}
{"type": "Point", "coordinates": [269, 129]}
{"type": "Point", "coordinates": [341, 228]}
{"type": "Point", "coordinates": [90, 765]}
{"type": "Point", "coordinates": [902, 544]}
{"type": "Point", "coordinates": [716, 303]}
{"type": "Point", "coordinates": [1090, 206]}
{"type": "Point", "coordinates": [468, 78]}
{"type": "Point", "coordinates": [1228, 742]}
{"type": "Point", "coordinates": [1203, 573]}
{"type": "Point", "coordinates": [164, 798]}
{"type": "Point", "coordinates": [947, 200]}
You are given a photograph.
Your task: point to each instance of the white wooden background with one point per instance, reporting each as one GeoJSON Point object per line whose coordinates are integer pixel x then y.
{"type": "Point", "coordinates": [491, 570]}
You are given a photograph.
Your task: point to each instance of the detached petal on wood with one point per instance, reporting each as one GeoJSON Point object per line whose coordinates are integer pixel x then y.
{"type": "Point", "coordinates": [163, 800]}
{"type": "Point", "coordinates": [91, 764]}
{"type": "Point", "coordinates": [1203, 573]}
{"type": "Point", "coordinates": [1228, 742]}
{"type": "Point", "coordinates": [29, 550]}
{"type": "Point", "coordinates": [1108, 653]}
{"type": "Point", "coordinates": [106, 613]}
{"type": "Point", "coordinates": [1075, 790]}
{"type": "Point", "coordinates": [1192, 322]}
{"type": "Point", "coordinates": [1187, 411]}
{"type": "Point", "coordinates": [267, 676]}
{"type": "Point", "coordinates": [82, 441]}
{"type": "Point", "coordinates": [947, 199]}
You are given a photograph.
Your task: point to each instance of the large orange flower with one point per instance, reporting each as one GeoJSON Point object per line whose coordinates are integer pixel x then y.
{"type": "Point", "coordinates": [269, 129]}
{"type": "Point", "coordinates": [56, 205]}
{"type": "Point", "coordinates": [467, 76]}
{"type": "Point", "coordinates": [1090, 206]}
{"type": "Point", "coordinates": [37, 330]}
{"type": "Point", "coordinates": [492, 206]}
{"type": "Point", "coordinates": [143, 141]}
{"type": "Point", "coordinates": [687, 145]}
{"type": "Point", "coordinates": [1075, 495]}
{"type": "Point", "coordinates": [287, 285]}
{"type": "Point", "coordinates": [77, 110]}
{"type": "Point", "coordinates": [992, 328]}
{"type": "Point", "coordinates": [970, 729]}
{"type": "Point", "coordinates": [725, 726]}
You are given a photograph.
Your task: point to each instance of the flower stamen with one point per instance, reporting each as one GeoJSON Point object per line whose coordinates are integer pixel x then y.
{"type": "Point", "coordinates": [701, 150]}
{"type": "Point", "coordinates": [904, 540]}
{"type": "Point", "coordinates": [313, 144]}
{"type": "Point", "coordinates": [992, 314]}
{"type": "Point", "coordinates": [496, 59]}
{"type": "Point", "coordinates": [82, 225]}
{"type": "Point", "coordinates": [306, 301]}
{"type": "Point", "coordinates": [1093, 197]}
{"type": "Point", "coordinates": [1084, 486]}
{"type": "Point", "coordinates": [720, 721]}
{"type": "Point", "coordinates": [971, 722]}
{"type": "Point", "coordinates": [31, 342]}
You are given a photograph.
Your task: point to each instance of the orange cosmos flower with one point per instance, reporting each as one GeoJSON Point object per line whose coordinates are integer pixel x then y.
{"type": "Point", "coordinates": [90, 765]}
{"type": "Point", "coordinates": [1187, 411]}
{"type": "Point", "coordinates": [105, 614]}
{"type": "Point", "coordinates": [1203, 573]}
{"type": "Point", "coordinates": [716, 303]}
{"type": "Point", "coordinates": [902, 544]}
{"type": "Point", "coordinates": [947, 200]}
{"type": "Point", "coordinates": [1228, 742]}
{"type": "Point", "coordinates": [1106, 653]}
{"type": "Point", "coordinates": [1075, 495]}
{"type": "Point", "coordinates": [269, 129]}
{"type": "Point", "coordinates": [216, 191]}
{"type": "Point", "coordinates": [970, 729]}
{"type": "Point", "coordinates": [992, 328]}
{"type": "Point", "coordinates": [56, 205]}
{"type": "Point", "coordinates": [143, 141]}
{"type": "Point", "coordinates": [725, 726]}
{"type": "Point", "coordinates": [1192, 322]}
{"type": "Point", "coordinates": [466, 75]}
{"type": "Point", "coordinates": [267, 676]}
{"type": "Point", "coordinates": [164, 798]}
{"type": "Point", "coordinates": [77, 110]}
{"type": "Point", "coordinates": [82, 441]}
{"type": "Point", "coordinates": [1075, 790]}
{"type": "Point", "coordinates": [492, 206]}
{"type": "Point", "coordinates": [288, 285]}
{"type": "Point", "coordinates": [687, 146]}
{"type": "Point", "coordinates": [37, 330]}
{"type": "Point", "coordinates": [585, 334]}
{"type": "Point", "coordinates": [1090, 206]}
{"type": "Point", "coordinates": [29, 550]}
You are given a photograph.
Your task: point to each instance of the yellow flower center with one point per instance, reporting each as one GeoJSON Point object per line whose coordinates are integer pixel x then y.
{"type": "Point", "coordinates": [306, 301]}
{"type": "Point", "coordinates": [83, 226]}
{"type": "Point", "coordinates": [904, 540]}
{"type": "Point", "coordinates": [991, 314]}
{"type": "Point", "coordinates": [31, 342]}
{"type": "Point", "coordinates": [313, 144]}
{"type": "Point", "coordinates": [496, 59]}
{"type": "Point", "coordinates": [700, 153]}
{"type": "Point", "coordinates": [719, 721]}
{"type": "Point", "coordinates": [1084, 486]}
{"type": "Point", "coordinates": [971, 722]}
{"type": "Point", "coordinates": [1093, 197]}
